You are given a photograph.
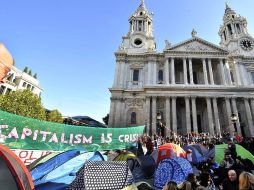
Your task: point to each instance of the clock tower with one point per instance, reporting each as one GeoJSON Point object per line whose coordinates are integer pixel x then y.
{"type": "Point", "coordinates": [140, 37]}
{"type": "Point", "coordinates": [234, 34]}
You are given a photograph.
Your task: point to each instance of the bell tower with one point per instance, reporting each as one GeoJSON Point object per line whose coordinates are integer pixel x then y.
{"type": "Point", "coordinates": [234, 33]}
{"type": "Point", "coordinates": [140, 36]}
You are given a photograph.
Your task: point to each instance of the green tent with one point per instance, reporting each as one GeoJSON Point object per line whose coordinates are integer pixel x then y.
{"type": "Point", "coordinates": [41, 160]}
{"type": "Point", "coordinates": [220, 149]}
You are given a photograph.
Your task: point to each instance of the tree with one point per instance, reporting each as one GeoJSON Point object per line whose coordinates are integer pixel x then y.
{"type": "Point", "coordinates": [105, 119]}
{"type": "Point", "coordinates": [25, 70]}
{"type": "Point", "coordinates": [24, 103]}
{"type": "Point", "coordinates": [54, 116]}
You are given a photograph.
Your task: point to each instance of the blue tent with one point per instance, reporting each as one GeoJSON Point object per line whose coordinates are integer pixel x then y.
{"type": "Point", "coordinates": [43, 169]}
{"type": "Point", "coordinates": [62, 176]}
{"type": "Point", "coordinates": [176, 169]}
{"type": "Point", "coordinates": [196, 156]}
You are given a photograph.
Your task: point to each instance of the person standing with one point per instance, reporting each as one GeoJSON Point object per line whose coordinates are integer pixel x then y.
{"type": "Point", "coordinates": [246, 181]}
{"type": "Point", "coordinates": [231, 182]}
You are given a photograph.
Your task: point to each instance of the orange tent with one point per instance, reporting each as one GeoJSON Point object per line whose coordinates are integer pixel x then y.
{"type": "Point", "coordinates": [14, 174]}
{"type": "Point", "coordinates": [6, 62]}
{"type": "Point", "coordinates": [170, 150]}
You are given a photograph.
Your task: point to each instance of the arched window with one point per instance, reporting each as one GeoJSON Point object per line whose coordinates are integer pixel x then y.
{"type": "Point", "coordinates": [133, 118]}
{"type": "Point", "coordinates": [160, 75]}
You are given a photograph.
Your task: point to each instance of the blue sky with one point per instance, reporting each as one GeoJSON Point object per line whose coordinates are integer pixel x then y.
{"type": "Point", "coordinates": [71, 44]}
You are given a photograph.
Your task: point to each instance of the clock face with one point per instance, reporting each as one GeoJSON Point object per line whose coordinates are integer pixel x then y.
{"type": "Point", "coordinates": [247, 44]}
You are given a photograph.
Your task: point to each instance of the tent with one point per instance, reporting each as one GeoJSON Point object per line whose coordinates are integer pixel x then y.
{"type": "Point", "coordinates": [142, 167]}
{"type": "Point", "coordinates": [124, 156]}
{"type": "Point", "coordinates": [62, 176]}
{"type": "Point", "coordinates": [41, 160]}
{"type": "Point", "coordinates": [196, 156]}
{"type": "Point", "coordinates": [113, 175]}
{"type": "Point", "coordinates": [201, 149]}
{"type": "Point", "coordinates": [14, 174]}
{"type": "Point", "coordinates": [168, 150]}
{"type": "Point", "coordinates": [220, 149]}
{"type": "Point", "coordinates": [175, 169]}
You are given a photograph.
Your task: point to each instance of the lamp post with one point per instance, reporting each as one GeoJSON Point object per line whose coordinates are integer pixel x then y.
{"type": "Point", "coordinates": [158, 118]}
{"type": "Point", "coordinates": [234, 119]}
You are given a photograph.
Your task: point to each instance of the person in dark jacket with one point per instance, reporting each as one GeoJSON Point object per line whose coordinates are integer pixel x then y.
{"type": "Point", "coordinates": [231, 182]}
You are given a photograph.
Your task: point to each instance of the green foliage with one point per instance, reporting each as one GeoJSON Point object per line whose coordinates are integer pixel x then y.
{"type": "Point", "coordinates": [25, 70]}
{"type": "Point", "coordinates": [30, 72]}
{"type": "Point", "coordinates": [54, 116]}
{"type": "Point", "coordinates": [24, 103]}
{"type": "Point", "coordinates": [35, 75]}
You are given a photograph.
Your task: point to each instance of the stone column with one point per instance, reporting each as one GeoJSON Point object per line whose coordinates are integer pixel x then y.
{"type": "Point", "coordinates": [205, 71]}
{"type": "Point", "coordinates": [194, 114]}
{"type": "Point", "coordinates": [185, 71]}
{"type": "Point", "coordinates": [216, 116]}
{"type": "Point", "coordinates": [210, 71]}
{"type": "Point", "coordinates": [187, 109]}
{"type": "Point", "coordinates": [229, 113]}
{"type": "Point", "coordinates": [249, 117]}
{"type": "Point", "coordinates": [191, 71]}
{"type": "Point", "coordinates": [111, 113]}
{"type": "Point", "coordinates": [252, 106]}
{"type": "Point", "coordinates": [167, 117]}
{"type": "Point", "coordinates": [116, 74]}
{"type": "Point", "coordinates": [228, 73]}
{"type": "Point", "coordinates": [154, 114]}
{"type": "Point", "coordinates": [172, 70]}
{"type": "Point", "coordinates": [222, 72]}
{"type": "Point", "coordinates": [155, 73]}
{"type": "Point", "coordinates": [174, 119]}
{"type": "Point", "coordinates": [210, 116]}
{"type": "Point", "coordinates": [149, 73]}
{"type": "Point", "coordinates": [238, 80]}
{"type": "Point", "coordinates": [166, 71]}
{"type": "Point", "coordinates": [235, 111]}
{"type": "Point", "coordinates": [148, 119]}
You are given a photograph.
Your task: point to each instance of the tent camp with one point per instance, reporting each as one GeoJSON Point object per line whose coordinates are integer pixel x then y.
{"type": "Point", "coordinates": [176, 169]}
{"type": "Point", "coordinates": [62, 176]}
{"type": "Point", "coordinates": [41, 160]}
{"type": "Point", "coordinates": [220, 149]}
{"type": "Point", "coordinates": [13, 174]}
{"type": "Point", "coordinates": [43, 169]}
{"type": "Point", "coordinates": [168, 150]}
{"type": "Point", "coordinates": [196, 156]}
{"type": "Point", "coordinates": [123, 156]}
{"type": "Point", "coordinates": [113, 175]}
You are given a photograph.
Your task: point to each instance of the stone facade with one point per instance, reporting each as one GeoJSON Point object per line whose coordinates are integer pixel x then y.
{"type": "Point", "coordinates": [193, 85]}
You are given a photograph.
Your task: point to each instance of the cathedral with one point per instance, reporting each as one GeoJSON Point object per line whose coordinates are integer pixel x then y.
{"type": "Point", "coordinates": [192, 86]}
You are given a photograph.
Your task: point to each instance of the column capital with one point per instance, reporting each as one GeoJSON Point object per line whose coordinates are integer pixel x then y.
{"type": "Point", "coordinates": [193, 97]}
{"type": "Point", "coordinates": [187, 97]}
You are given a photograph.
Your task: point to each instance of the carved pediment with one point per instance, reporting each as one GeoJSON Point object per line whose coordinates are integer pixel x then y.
{"type": "Point", "coordinates": [197, 45]}
{"type": "Point", "coordinates": [136, 65]}
{"type": "Point", "coordinates": [135, 102]}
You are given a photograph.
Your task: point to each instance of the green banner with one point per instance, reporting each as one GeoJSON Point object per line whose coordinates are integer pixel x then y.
{"type": "Point", "coordinates": [19, 132]}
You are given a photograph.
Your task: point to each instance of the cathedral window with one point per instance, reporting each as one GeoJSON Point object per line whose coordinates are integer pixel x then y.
{"type": "Point", "coordinates": [139, 25]}
{"type": "Point", "coordinates": [160, 76]}
{"type": "Point", "coordinates": [135, 75]}
{"type": "Point", "coordinates": [238, 28]}
{"type": "Point", "coordinates": [133, 118]}
{"type": "Point", "coordinates": [225, 36]}
{"type": "Point", "coordinates": [252, 76]}
{"type": "Point", "coordinates": [230, 29]}
{"type": "Point", "coordinates": [232, 76]}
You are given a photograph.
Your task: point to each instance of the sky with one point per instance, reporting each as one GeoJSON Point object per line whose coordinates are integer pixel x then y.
{"type": "Point", "coordinates": [71, 44]}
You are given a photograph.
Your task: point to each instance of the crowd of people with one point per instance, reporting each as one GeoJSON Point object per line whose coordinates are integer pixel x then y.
{"type": "Point", "coordinates": [233, 173]}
